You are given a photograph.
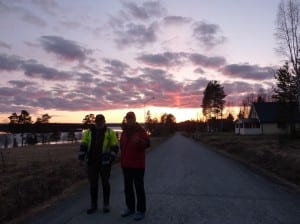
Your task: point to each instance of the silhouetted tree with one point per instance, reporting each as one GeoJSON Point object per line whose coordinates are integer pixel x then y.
{"type": "Point", "coordinates": [230, 117]}
{"type": "Point", "coordinates": [24, 117]}
{"type": "Point", "coordinates": [285, 93]}
{"type": "Point", "coordinates": [213, 101]}
{"type": "Point", "coordinates": [41, 128]}
{"type": "Point", "coordinates": [13, 118]}
{"type": "Point", "coordinates": [148, 122]}
{"type": "Point", "coordinates": [286, 87]}
{"type": "Point", "coordinates": [169, 123]}
{"type": "Point", "coordinates": [261, 96]}
{"type": "Point", "coordinates": [20, 123]}
{"type": "Point", "coordinates": [44, 119]}
{"type": "Point", "coordinates": [88, 120]}
{"type": "Point", "coordinates": [288, 35]}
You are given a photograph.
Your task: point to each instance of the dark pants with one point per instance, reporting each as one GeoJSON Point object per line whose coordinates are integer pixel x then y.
{"type": "Point", "coordinates": [134, 179]}
{"type": "Point", "coordinates": [93, 175]}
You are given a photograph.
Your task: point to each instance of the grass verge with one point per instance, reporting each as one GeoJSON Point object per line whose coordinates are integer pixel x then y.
{"type": "Point", "coordinates": [279, 155]}
{"type": "Point", "coordinates": [35, 177]}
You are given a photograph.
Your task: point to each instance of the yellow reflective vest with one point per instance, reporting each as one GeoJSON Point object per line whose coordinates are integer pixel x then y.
{"type": "Point", "coordinates": [110, 139]}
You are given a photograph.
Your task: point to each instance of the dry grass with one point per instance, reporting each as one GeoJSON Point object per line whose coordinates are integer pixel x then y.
{"type": "Point", "coordinates": [31, 176]}
{"type": "Point", "coordinates": [278, 154]}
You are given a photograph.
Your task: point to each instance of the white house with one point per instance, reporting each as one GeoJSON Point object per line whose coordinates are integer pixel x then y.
{"type": "Point", "coordinates": [269, 118]}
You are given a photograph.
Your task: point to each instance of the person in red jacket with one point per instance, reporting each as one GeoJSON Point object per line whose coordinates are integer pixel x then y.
{"type": "Point", "coordinates": [133, 144]}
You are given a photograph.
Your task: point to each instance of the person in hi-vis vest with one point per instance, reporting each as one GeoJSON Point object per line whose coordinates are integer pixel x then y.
{"type": "Point", "coordinates": [99, 148]}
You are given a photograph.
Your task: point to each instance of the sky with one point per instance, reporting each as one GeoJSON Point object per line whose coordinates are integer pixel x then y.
{"type": "Point", "coordinates": [71, 58]}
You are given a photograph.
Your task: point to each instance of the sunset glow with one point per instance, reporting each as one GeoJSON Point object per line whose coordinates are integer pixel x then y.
{"type": "Point", "coordinates": [69, 59]}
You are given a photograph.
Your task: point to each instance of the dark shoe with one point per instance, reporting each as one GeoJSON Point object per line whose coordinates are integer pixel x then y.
{"type": "Point", "coordinates": [127, 212]}
{"type": "Point", "coordinates": [106, 209]}
{"type": "Point", "coordinates": [139, 216]}
{"type": "Point", "coordinates": [91, 211]}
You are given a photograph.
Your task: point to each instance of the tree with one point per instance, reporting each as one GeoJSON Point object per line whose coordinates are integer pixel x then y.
{"type": "Point", "coordinates": [261, 96]}
{"type": "Point", "coordinates": [88, 120]}
{"type": "Point", "coordinates": [24, 117]}
{"type": "Point", "coordinates": [285, 92]}
{"type": "Point", "coordinates": [44, 119]}
{"type": "Point", "coordinates": [13, 118]}
{"type": "Point", "coordinates": [152, 125]}
{"type": "Point", "coordinates": [21, 121]}
{"type": "Point", "coordinates": [213, 100]}
{"type": "Point", "coordinates": [230, 117]}
{"type": "Point", "coordinates": [288, 35]}
{"type": "Point", "coordinates": [169, 122]}
{"type": "Point", "coordinates": [286, 86]}
{"type": "Point", "coordinates": [167, 118]}
{"type": "Point", "coordinates": [148, 122]}
{"type": "Point", "coordinates": [41, 128]}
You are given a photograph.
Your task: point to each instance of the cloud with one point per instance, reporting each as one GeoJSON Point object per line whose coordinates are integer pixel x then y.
{"type": "Point", "coordinates": [246, 71]}
{"type": "Point", "coordinates": [166, 59]}
{"type": "Point", "coordinates": [199, 70]}
{"type": "Point", "coordinates": [238, 87]}
{"type": "Point", "coordinates": [7, 92]}
{"type": "Point", "coordinates": [148, 10]}
{"type": "Point", "coordinates": [136, 35]}
{"type": "Point", "coordinates": [8, 7]}
{"type": "Point", "coordinates": [66, 49]}
{"type": "Point", "coordinates": [136, 25]}
{"type": "Point", "coordinates": [208, 35]}
{"type": "Point", "coordinates": [119, 86]}
{"type": "Point", "coordinates": [238, 91]}
{"type": "Point", "coordinates": [33, 19]}
{"type": "Point", "coordinates": [176, 20]}
{"type": "Point", "coordinates": [13, 99]}
{"type": "Point", "coordinates": [159, 80]}
{"type": "Point", "coordinates": [9, 63]}
{"type": "Point", "coordinates": [115, 67]}
{"type": "Point", "coordinates": [34, 70]}
{"type": "Point", "coordinates": [71, 25]}
{"type": "Point", "coordinates": [195, 85]}
{"type": "Point", "coordinates": [23, 11]}
{"type": "Point", "coordinates": [92, 93]}
{"type": "Point", "coordinates": [49, 6]}
{"type": "Point", "coordinates": [21, 83]}
{"type": "Point", "coordinates": [4, 45]}
{"type": "Point", "coordinates": [170, 59]}
{"type": "Point", "coordinates": [208, 62]}
{"type": "Point", "coordinates": [85, 80]}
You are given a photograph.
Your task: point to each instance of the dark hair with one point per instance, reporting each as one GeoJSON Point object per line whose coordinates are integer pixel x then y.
{"type": "Point", "coordinates": [130, 114]}
{"type": "Point", "coordinates": [99, 117]}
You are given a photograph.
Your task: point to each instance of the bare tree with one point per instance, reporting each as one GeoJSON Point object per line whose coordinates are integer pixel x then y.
{"type": "Point", "coordinates": [288, 35]}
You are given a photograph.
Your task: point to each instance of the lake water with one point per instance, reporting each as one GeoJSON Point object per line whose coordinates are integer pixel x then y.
{"type": "Point", "coordinates": [8, 140]}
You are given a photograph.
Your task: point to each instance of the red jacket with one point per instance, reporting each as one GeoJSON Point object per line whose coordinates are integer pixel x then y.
{"type": "Point", "coordinates": [133, 144]}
